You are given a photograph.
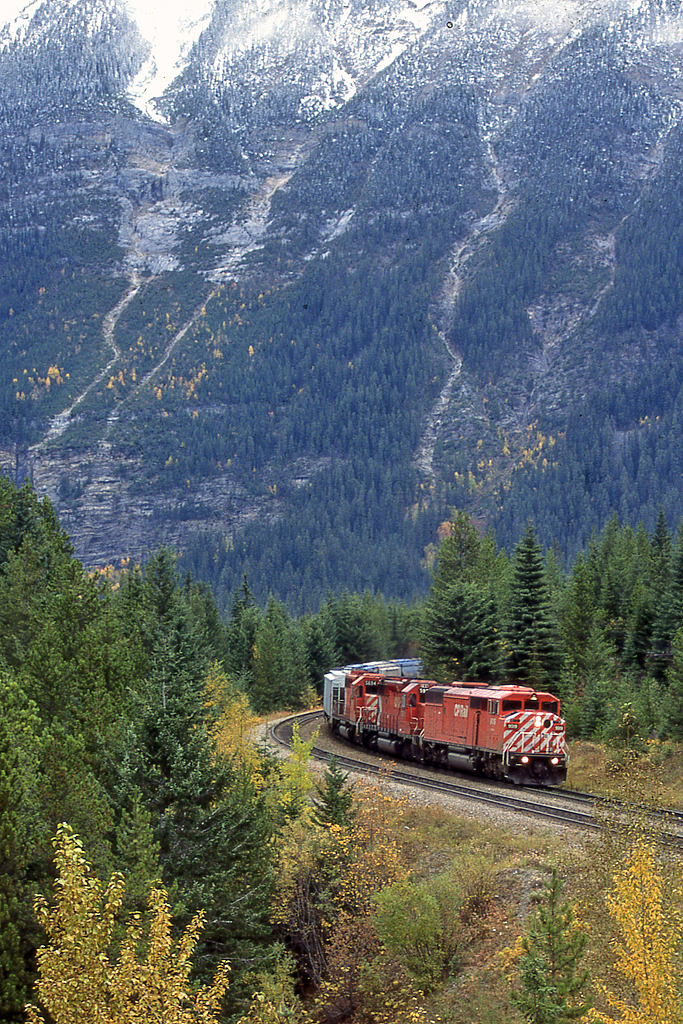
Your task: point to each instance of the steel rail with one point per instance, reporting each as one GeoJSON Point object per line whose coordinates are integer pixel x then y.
{"type": "Point", "coordinates": [494, 794]}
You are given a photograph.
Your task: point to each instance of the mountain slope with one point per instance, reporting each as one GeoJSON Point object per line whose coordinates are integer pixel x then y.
{"type": "Point", "coordinates": [366, 263]}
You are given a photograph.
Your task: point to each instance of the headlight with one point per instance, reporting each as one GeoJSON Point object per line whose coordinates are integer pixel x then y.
{"type": "Point", "coordinates": [524, 760]}
{"type": "Point", "coordinates": [554, 760]}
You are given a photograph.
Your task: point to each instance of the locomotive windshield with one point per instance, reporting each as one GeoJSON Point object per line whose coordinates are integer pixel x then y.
{"type": "Point", "coordinates": [511, 705]}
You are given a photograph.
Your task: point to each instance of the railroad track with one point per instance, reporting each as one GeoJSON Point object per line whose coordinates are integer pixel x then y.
{"type": "Point", "coordinates": [570, 808]}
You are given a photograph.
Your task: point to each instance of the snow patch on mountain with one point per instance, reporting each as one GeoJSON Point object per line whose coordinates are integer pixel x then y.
{"type": "Point", "coordinates": [171, 30]}
{"type": "Point", "coordinates": [19, 15]}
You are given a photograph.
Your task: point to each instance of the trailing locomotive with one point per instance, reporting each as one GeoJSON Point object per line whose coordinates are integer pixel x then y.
{"type": "Point", "coordinates": [505, 732]}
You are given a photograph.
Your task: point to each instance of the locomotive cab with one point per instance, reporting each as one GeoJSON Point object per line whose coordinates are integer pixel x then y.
{"type": "Point", "coordinates": [534, 745]}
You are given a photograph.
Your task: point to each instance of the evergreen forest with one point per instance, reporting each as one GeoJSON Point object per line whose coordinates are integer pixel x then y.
{"type": "Point", "coordinates": [128, 703]}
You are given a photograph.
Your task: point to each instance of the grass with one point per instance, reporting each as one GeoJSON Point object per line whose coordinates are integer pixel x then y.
{"type": "Point", "coordinates": [499, 875]}
{"type": "Point", "coordinates": [651, 775]}
{"type": "Point", "coordinates": [488, 878]}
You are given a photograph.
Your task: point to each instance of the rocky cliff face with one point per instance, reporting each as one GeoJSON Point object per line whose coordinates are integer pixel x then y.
{"type": "Point", "coordinates": [522, 140]}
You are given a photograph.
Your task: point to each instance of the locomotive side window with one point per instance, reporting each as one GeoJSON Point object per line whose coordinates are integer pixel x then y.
{"type": "Point", "coordinates": [478, 703]}
{"type": "Point", "coordinates": [549, 705]}
{"type": "Point", "coordinates": [493, 707]}
{"type": "Point", "coordinates": [359, 691]}
{"type": "Point", "coordinates": [434, 696]}
{"type": "Point", "coordinates": [511, 705]}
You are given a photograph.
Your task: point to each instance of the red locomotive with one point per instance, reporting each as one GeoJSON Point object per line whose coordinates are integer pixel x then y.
{"type": "Point", "coordinates": [505, 732]}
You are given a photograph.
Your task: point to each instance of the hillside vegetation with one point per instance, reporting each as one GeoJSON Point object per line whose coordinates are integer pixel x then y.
{"type": "Point", "coordinates": [128, 706]}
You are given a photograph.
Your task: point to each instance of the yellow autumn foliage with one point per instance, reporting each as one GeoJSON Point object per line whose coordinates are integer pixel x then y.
{"type": "Point", "coordinates": [296, 780]}
{"type": "Point", "coordinates": [80, 981]}
{"type": "Point", "coordinates": [647, 951]}
{"type": "Point", "coordinates": [235, 722]}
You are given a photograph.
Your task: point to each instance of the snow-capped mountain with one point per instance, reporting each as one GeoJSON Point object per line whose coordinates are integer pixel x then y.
{"type": "Point", "coordinates": [323, 49]}
{"type": "Point", "coordinates": [247, 246]}
{"type": "Point", "coordinates": [335, 44]}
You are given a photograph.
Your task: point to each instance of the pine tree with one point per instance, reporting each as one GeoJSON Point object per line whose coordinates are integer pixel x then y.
{"type": "Point", "coordinates": [550, 977]}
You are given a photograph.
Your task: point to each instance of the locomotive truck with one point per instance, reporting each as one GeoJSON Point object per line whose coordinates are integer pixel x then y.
{"type": "Point", "coordinates": [505, 731]}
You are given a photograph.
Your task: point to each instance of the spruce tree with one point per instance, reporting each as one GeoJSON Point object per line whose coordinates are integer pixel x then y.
{"type": "Point", "coordinates": [551, 981]}
{"type": "Point", "coordinates": [534, 655]}
{"type": "Point", "coordinates": [461, 636]}
{"type": "Point", "coordinates": [673, 701]}
{"type": "Point", "coordinates": [319, 649]}
{"type": "Point", "coordinates": [578, 619]}
{"type": "Point", "coordinates": [640, 624]}
{"type": "Point", "coordinates": [18, 820]}
{"type": "Point", "coordinates": [459, 553]}
{"type": "Point", "coordinates": [334, 802]}
{"type": "Point", "coordinates": [243, 625]}
{"type": "Point", "coordinates": [137, 854]}
{"type": "Point", "coordinates": [661, 554]}
{"type": "Point", "coordinates": [669, 613]}
{"type": "Point", "coordinates": [211, 825]}
{"type": "Point", "coordinates": [280, 679]}
{"type": "Point", "coordinates": [354, 637]}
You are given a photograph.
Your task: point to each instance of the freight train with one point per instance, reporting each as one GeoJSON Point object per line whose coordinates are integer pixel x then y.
{"type": "Point", "coordinates": [505, 731]}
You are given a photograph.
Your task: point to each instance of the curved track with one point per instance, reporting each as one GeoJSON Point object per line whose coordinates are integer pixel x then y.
{"type": "Point", "coordinates": [560, 807]}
